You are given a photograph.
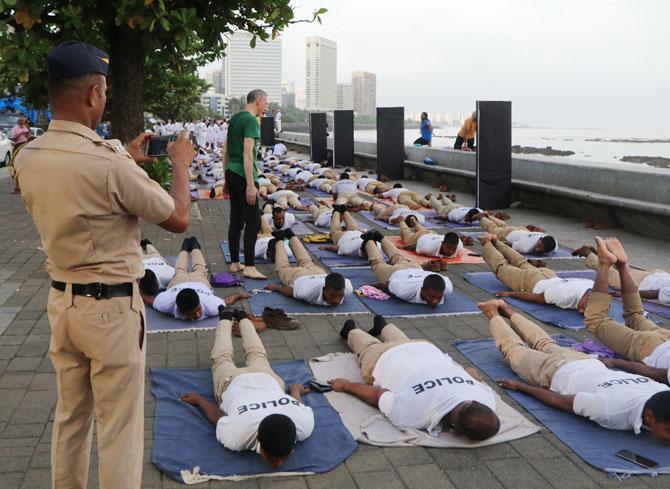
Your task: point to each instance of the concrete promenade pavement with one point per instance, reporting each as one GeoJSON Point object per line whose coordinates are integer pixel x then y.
{"type": "Point", "coordinates": [27, 382]}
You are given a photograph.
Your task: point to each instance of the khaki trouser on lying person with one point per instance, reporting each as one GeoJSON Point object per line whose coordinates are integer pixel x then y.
{"type": "Point", "coordinates": [197, 273]}
{"type": "Point", "coordinates": [410, 235]}
{"type": "Point", "coordinates": [266, 189]}
{"type": "Point", "coordinates": [383, 212]}
{"type": "Point", "coordinates": [443, 206]}
{"type": "Point", "coordinates": [304, 264]}
{"type": "Point", "coordinates": [397, 260]}
{"type": "Point", "coordinates": [499, 228]}
{"type": "Point", "coordinates": [512, 269]}
{"type": "Point", "coordinates": [377, 188]}
{"type": "Point", "coordinates": [289, 200]}
{"type": "Point", "coordinates": [614, 280]}
{"type": "Point", "coordinates": [336, 230]}
{"type": "Point", "coordinates": [411, 199]}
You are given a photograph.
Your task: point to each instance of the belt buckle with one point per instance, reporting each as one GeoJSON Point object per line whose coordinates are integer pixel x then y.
{"type": "Point", "coordinates": [98, 291]}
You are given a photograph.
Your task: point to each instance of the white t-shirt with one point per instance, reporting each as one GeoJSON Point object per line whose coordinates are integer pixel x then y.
{"type": "Point", "coordinates": [261, 248]}
{"type": "Point", "coordinates": [316, 183]}
{"type": "Point", "coordinates": [420, 218]}
{"type": "Point", "coordinates": [248, 400]}
{"type": "Point", "coordinates": [658, 281]}
{"type": "Point", "coordinates": [361, 183]}
{"type": "Point", "coordinates": [394, 192]}
{"type": "Point", "coordinates": [406, 284]}
{"type": "Point", "coordinates": [430, 244]}
{"type": "Point", "coordinates": [162, 270]}
{"type": "Point", "coordinates": [458, 214]}
{"type": "Point", "coordinates": [323, 221]}
{"type": "Point", "coordinates": [282, 193]}
{"type": "Point", "coordinates": [345, 186]}
{"type": "Point", "coordinates": [660, 357]}
{"type": "Point", "coordinates": [166, 301]}
{"type": "Point", "coordinates": [613, 399]}
{"type": "Point", "coordinates": [424, 384]}
{"type": "Point", "coordinates": [525, 241]}
{"type": "Point", "coordinates": [292, 172]}
{"type": "Point", "coordinates": [279, 149]}
{"type": "Point", "coordinates": [563, 292]}
{"type": "Point", "coordinates": [350, 244]}
{"type": "Point", "coordinates": [303, 176]}
{"type": "Point", "coordinates": [289, 220]}
{"type": "Point", "coordinates": [313, 167]}
{"type": "Point", "coordinates": [310, 289]}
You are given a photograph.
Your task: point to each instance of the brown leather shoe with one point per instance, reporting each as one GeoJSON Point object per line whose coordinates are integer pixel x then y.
{"type": "Point", "coordinates": [277, 319]}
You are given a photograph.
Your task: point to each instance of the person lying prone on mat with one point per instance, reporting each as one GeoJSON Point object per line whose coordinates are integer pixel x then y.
{"type": "Point", "coordinates": [521, 239]}
{"type": "Point", "coordinates": [652, 284]}
{"type": "Point", "coordinates": [323, 184]}
{"type": "Point", "coordinates": [189, 294]}
{"type": "Point", "coordinates": [639, 340]}
{"type": "Point", "coordinates": [428, 243]}
{"type": "Point", "coordinates": [401, 195]}
{"type": "Point", "coordinates": [157, 273]}
{"type": "Point", "coordinates": [347, 242]}
{"type": "Point", "coordinates": [452, 212]}
{"type": "Point", "coordinates": [402, 277]}
{"type": "Point", "coordinates": [265, 243]}
{"type": "Point", "coordinates": [286, 198]}
{"type": "Point", "coordinates": [575, 382]}
{"type": "Point", "coordinates": [393, 214]}
{"type": "Point", "coordinates": [306, 281]}
{"type": "Point", "coordinates": [532, 284]}
{"type": "Point", "coordinates": [415, 385]}
{"type": "Point", "coordinates": [253, 411]}
{"type": "Point", "coordinates": [372, 186]}
{"type": "Point", "coordinates": [277, 217]}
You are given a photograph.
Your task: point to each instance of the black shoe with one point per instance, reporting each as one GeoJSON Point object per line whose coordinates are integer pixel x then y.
{"type": "Point", "coordinates": [349, 325]}
{"type": "Point", "coordinates": [144, 244]}
{"type": "Point", "coordinates": [279, 234]}
{"type": "Point", "coordinates": [377, 236]}
{"type": "Point", "coordinates": [240, 314]}
{"type": "Point", "coordinates": [373, 235]}
{"type": "Point", "coordinates": [223, 314]}
{"type": "Point", "coordinates": [341, 208]}
{"type": "Point", "coordinates": [212, 193]}
{"type": "Point", "coordinates": [186, 245]}
{"type": "Point", "coordinates": [195, 244]}
{"type": "Point", "coordinates": [408, 220]}
{"type": "Point", "coordinates": [288, 233]}
{"type": "Point", "coordinates": [379, 323]}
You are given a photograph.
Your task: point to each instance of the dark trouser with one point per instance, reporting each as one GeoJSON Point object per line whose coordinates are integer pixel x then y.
{"type": "Point", "coordinates": [459, 143]}
{"type": "Point", "coordinates": [422, 142]}
{"type": "Point", "coordinates": [242, 215]}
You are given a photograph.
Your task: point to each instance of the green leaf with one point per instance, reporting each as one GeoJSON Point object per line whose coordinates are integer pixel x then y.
{"type": "Point", "coordinates": [9, 3]}
{"type": "Point", "coordinates": [252, 43]}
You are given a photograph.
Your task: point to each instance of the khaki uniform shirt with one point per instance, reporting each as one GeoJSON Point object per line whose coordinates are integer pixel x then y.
{"type": "Point", "coordinates": [85, 195]}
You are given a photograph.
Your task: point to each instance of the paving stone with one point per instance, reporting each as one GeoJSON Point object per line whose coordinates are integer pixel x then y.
{"type": "Point", "coordinates": [403, 456]}
{"type": "Point", "coordinates": [282, 483]}
{"type": "Point", "coordinates": [466, 478]}
{"type": "Point", "coordinates": [339, 478]}
{"type": "Point", "coordinates": [516, 473]}
{"type": "Point", "coordinates": [422, 476]}
{"type": "Point", "coordinates": [562, 472]}
{"type": "Point", "coordinates": [12, 480]}
{"type": "Point", "coordinates": [36, 478]}
{"type": "Point", "coordinates": [23, 364]}
{"type": "Point", "coordinates": [378, 480]}
{"type": "Point", "coordinates": [454, 457]}
{"type": "Point", "coordinates": [367, 459]}
{"type": "Point", "coordinates": [15, 380]}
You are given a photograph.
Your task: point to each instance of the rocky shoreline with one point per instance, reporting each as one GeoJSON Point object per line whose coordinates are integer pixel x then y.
{"type": "Point", "coordinates": [547, 151]}
{"type": "Point", "coordinates": [657, 161]}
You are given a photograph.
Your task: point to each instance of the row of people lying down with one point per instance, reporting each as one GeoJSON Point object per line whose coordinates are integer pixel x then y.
{"type": "Point", "coordinates": [415, 385]}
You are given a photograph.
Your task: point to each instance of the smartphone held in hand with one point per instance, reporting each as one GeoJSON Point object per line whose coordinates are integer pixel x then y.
{"type": "Point", "coordinates": [158, 145]}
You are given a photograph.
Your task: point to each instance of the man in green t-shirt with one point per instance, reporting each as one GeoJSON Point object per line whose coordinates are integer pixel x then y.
{"type": "Point", "coordinates": [239, 161]}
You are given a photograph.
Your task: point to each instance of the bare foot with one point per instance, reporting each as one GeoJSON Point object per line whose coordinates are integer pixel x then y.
{"type": "Point", "coordinates": [490, 308]}
{"type": "Point", "coordinates": [486, 238]}
{"type": "Point", "coordinates": [605, 256]}
{"type": "Point", "coordinates": [616, 248]}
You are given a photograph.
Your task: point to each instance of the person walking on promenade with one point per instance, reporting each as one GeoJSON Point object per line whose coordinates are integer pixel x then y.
{"type": "Point", "coordinates": [86, 213]}
{"type": "Point", "coordinates": [239, 162]}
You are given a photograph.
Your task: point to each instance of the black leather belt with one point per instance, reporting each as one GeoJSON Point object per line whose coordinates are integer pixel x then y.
{"type": "Point", "coordinates": [97, 290]}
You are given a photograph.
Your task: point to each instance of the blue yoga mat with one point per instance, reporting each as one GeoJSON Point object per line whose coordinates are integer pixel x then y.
{"type": "Point", "coordinates": [318, 193]}
{"type": "Point", "coordinates": [371, 216]}
{"type": "Point", "coordinates": [225, 249]}
{"type": "Point", "coordinates": [561, 318]}
{"type": "Point", "coordinates": [456, 225]}
{"type": "Point", "coordinates": [260, 300]}
{"type": "Point", "coordinates": [184, 439]}
{"type": "Point", "coordinates": [307, 219]}
{"type": "Point", "coordinates": [332, 259]}
{"type": "Point", "coordinates": [157, 322]}
{"type": "Point", "coordinates": [560, 253]}
{"type": "Point", "coordinates": [454, 304]}
{"type": "Point", "coordinates": [594, 444]}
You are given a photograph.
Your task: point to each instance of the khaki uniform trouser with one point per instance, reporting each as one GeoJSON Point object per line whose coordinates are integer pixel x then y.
{"type": "Point", "coordinates": [443, 207]}
{"type": "Point", "coordinates": [97, 350]}
{"type": "Point", "coordinates": [369, 349]}
{"type": "Point", "coordinates": [536, 359]}
{"type": "Point", "coordinates": [512, 269]}
{"type": "Point", "coordinates": [266, 229]}
{"type": "Point", "coordinates": [613, 279]}
{"type": "Point", "coordinates": [370, 187]}
{"type": "Point", "coordinates": [635, 340]}
{"type": "Point", "coordinates": [336, 231]}
{"type": "Point", "coordinates": [151, 252]}
{"type": "Point", "coordinates": [410, 235]}
{"type": "Point", "coordinates": [409, 198]}
{"type": "Point", "coordinates": [266, 189]}
{"type": "Point", "coordinates": [397, 261]}
{"type": "Point", "coordinates": [316, 211]}
{"type": "Point", "coordinates": [304, 264]}
{"type": "Point", "coordinates": [383, 212]}
{"type": "Point", "coordinates": [497, 227]}
{"type": "Point", "coordinates": [326, 187]}
{"type": "Point", "coordinates": [198, 271]}
{"type": "Point", "coordinates": [224, 369]}
{"type": "Point", "coordinates": [347, 198]}
{"type": "Point", "coordinates": [288, 200]}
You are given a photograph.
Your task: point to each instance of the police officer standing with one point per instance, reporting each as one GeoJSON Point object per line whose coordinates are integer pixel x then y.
{"type": "Point", "coordinates": [85, 195]}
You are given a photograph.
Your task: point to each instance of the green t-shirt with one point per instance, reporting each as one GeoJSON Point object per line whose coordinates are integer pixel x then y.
{"type": "Point", "coordinates": [242, 125]}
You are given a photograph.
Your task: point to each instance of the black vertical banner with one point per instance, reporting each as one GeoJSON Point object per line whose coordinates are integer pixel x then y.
{"type": "Point", "coordinates": [494, 154]}
{"type": "Point", "coordinates": [267, 131]}
{"type": "Point", "coordinates": [343, 139]}
{"type": "Point", "coordinates": [391, 142]}
{"type": "Point", "coordinates": [318, 135]}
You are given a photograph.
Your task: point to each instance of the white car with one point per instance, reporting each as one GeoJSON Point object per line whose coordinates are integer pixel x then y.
{"type": "Point", "coordinates": [5, 149]}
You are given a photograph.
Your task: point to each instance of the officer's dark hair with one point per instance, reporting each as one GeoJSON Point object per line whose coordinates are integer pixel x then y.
{"type": "Point", "coordinates": [277, 435]}
{"type": "Point", "coordinates": [255, 95]}
{"type": "Point", "coordinates": [451, 238]}
{"type": "Point", "coordinates": [187, 300]}
{"type": "Point", "coordinates": [477, 422]}
{"type": "Point", "coordinates": [659, 405]}
{"type": "Point", "coordinates": [472, 212]}
{"type": "Point", "coordinates": [344, 176]}
{"type": "Point", "coordinates": [434, 282]}
{"type": "Point", "coordinates": [397, 185]}
{"type": "Point", "coordinates": [548, 243]}
{"type": "Point", "coordinates": [277, 210]}
{"type": "Point", "coordinates": [61, 87]}
{"type": "Point", "coordinates": [335, 281]}
{"type": "Point", "coordinates": [149, 283]}
{"type": "Point", "coordinates": [364, 176]}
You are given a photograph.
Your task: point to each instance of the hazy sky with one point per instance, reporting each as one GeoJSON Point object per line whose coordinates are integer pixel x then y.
{"type": "Point", "coordinates": [562, 63]}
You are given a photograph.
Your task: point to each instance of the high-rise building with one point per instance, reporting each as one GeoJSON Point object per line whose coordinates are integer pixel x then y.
{"type": "Point", "coordinates": [247, 68]}
{"type": "Point", "coordinates": [215, 103]}
{"type": "Point", "coordinates": [345, 96]}
{"type": "Point", "coordinates": [365, 92]}
{"type": "Point", "coordinates": [300, 98]}
{"type": "Point", "coordinates": [321, 74]}
{"type": "Point", "coordinates": [218, 82]}
{"type": "Point", "coordinates": [288, 94]}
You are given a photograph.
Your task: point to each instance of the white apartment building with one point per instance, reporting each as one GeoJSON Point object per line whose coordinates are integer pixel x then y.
{"type": "Point", "coordinates": [321, 74]}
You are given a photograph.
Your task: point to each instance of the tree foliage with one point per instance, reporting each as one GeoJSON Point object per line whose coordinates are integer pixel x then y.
{"type": "Point", "coordinates": [154, 45]}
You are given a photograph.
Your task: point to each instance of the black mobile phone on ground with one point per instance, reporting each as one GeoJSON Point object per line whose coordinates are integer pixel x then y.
{"type": "Point", "coordinates": [637, 459]}
{"type": "Point", "coordinates": [158, 145]}
{"type": "Point", "coordinates": [319, 387]}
